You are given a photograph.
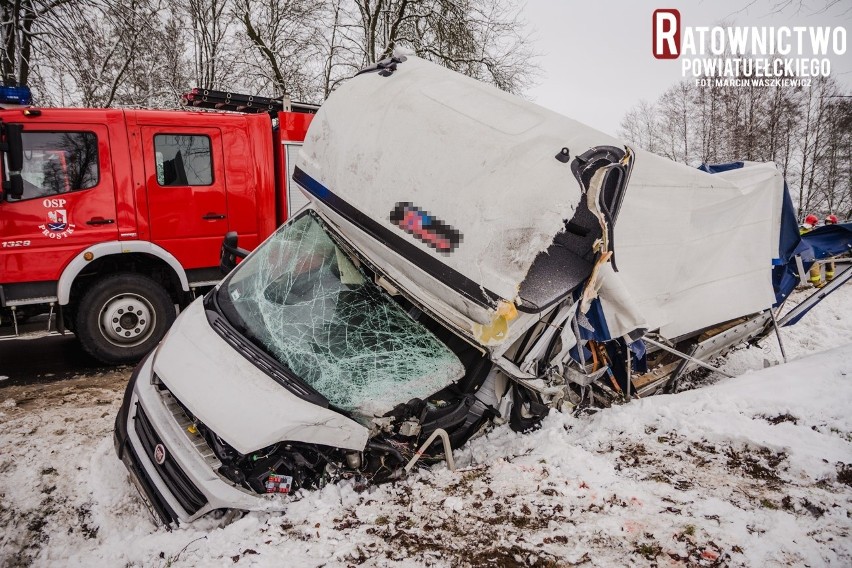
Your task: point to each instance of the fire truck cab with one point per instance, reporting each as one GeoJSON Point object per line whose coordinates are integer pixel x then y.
{"type": "Point", "coordinates": [112, 218]}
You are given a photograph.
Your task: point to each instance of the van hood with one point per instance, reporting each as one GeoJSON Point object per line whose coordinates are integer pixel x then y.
{"type": "Point", "coordinates": [238, 401]}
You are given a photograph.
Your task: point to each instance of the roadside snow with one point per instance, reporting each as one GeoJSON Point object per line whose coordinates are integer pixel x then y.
{"type": "Point", "coordinates": [827, 325]}
{"type": "Point", "coordinates": [750, 471]}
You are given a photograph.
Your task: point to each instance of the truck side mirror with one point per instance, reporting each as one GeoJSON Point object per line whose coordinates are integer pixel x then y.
{"type": "Point", "coordinates": [230, 253]}
{"type": "Point", "coordinates": [14, 188]}
{"type": "Point", "coordinates": [13, 147]}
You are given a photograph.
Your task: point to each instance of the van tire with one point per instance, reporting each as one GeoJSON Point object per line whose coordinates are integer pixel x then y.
{"type": "Point", "coordinates": [122, 317]}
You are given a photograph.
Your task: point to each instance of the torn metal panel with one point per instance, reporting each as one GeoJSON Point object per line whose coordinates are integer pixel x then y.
{"type": "Point", "coordinates": [721, 342]}
{"type": "Point", "coordinates": [623, 318]}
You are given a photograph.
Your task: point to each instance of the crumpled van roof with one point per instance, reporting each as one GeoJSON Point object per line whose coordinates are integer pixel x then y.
{"type": "Point", "coordinates": [467, 193]}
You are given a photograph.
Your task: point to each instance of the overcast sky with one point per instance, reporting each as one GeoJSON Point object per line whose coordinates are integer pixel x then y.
{"type": "Point", "coordinates": [596, 56]}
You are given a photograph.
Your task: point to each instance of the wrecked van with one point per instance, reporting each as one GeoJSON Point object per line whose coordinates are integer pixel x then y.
{"type": "Point", "coordinates": [466, 258]}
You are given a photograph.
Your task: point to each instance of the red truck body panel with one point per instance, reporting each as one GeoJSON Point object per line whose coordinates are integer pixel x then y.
{"type": "Point", "coordinates": [129, 195]}
{"type": "Point", "coordinates": [292, 127]}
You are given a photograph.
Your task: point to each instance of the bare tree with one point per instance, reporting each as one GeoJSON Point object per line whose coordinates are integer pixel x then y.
{"type": "Point", "coordinates": [675, 127]}
{"type": "Point", "coordinates": [111, 53]}
{"type": "Point", "coordinates": [146, 52]}
{"type": "Point", "coordinates": [21, 24]}
{"type": "Point", "coordinates": [830, 169]}
{"type": "Point", "coordinates": [806, 131]}
{"type": "Point", "coordinates": [307, 48]}
{"type": "Point", "coordinates": [334, 46]}
{"type": "Point", "coordinates": [813, 135]}
{"type": "Point", "coordinates": [484, 39]}
{"type": "Point", "coordinates": [641, 127]}
{"type": "Point", "coordinates": [284, 38]}
{"type": "Point", "coordinates": [211, 22]}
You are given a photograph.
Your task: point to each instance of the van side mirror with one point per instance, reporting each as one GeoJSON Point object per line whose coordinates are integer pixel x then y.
{"type": "Point", "coordinates": [13, 147]}
{"type": "Point", "coordinates": [230, 253]}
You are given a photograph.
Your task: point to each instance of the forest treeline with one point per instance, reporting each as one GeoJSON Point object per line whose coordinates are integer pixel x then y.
{"type": "Point", "coordinates": [102, 53]}
{"type": "Point", "coordinates": [146, 53]}
{"type": "Point", "coordinates": [805, 130]}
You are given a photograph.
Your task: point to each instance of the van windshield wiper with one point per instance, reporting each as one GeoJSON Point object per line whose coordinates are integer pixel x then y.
{"type": "Point", "coordinates": [230, 331]}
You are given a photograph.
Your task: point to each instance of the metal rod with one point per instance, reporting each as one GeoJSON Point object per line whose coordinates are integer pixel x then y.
{"type": "Point", "coordinates": [800, 268]}
{"type": "Point", "coordinates": [49, 317]}
{"type": "Point", "coordinates": [15, 319]}
{"type": "Point", "coordinates": [448, 450]}
{"type": "Point", "coordinates": [815, 297]}
{"type": "Point", "coordinates": [629, 368]}
{"type": "Point", "coordinates": [580, 351]}
{"type": "Point", "coordinates": [698, 362]}
{"type": "Point", "coordinates": [778, 334]}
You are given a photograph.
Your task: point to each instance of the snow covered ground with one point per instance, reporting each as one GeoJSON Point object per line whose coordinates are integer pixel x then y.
{"type": "Point", "coordinates": [750, 471]}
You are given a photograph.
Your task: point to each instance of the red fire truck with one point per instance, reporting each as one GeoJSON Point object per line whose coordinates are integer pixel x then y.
{"type": "Point", "coordinates": [114, 218]}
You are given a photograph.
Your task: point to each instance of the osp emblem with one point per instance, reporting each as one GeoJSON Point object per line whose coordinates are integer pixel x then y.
{"type": "Point", "coordinates": [57, 225]}
{"type": "Point", "coordinates": [58, 220]}
{"type": "Point", "coordinates": [159, 454]}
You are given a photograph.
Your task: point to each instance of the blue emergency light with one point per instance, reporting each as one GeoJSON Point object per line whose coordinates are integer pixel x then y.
{"type": "Point", "coordinates": [15, 95]}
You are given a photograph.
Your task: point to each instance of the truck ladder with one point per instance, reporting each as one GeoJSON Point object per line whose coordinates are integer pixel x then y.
{"type": "Point", "coordinates": [236, 102]}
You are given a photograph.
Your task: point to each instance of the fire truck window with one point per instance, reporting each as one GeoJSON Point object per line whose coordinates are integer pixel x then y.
{"type": "Point", "coordinates": [59, 162]}
{"type": "Point", "coordinates": [183, 159]}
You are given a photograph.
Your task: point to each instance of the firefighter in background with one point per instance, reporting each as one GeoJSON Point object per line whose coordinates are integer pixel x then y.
{"type": "Point", "coordinates": [815, 274]}
{"type": "Point", "coordinates": [808, 224]}
{"type": "Point", "coordinates": [829, 267]}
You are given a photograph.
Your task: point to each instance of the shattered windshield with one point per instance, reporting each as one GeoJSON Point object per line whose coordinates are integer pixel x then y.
{"type": "Point", "coordinates": [308, 305]}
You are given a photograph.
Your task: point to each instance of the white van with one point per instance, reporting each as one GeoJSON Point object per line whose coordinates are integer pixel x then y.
{"type": "Point", "coordinates": [466, 258]}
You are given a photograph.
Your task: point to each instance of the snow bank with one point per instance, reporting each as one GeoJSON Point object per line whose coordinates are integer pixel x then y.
{"type": "Point", "coordinates": [750, 471]}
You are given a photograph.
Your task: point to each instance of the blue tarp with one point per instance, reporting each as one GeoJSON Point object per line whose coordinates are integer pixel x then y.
{"type": "Point", "coordinates": [827, 241]}
{"type": "Point", "coordinates": [822, 242]}
{"type": "Point", "coordinates": [601, 333]}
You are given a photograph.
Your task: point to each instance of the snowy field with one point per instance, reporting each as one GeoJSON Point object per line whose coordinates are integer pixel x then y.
{"type": "Point", "coordinates": [750, 471]}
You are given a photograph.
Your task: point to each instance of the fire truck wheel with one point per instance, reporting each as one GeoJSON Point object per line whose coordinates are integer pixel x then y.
{"type": "Point", "coordinates": [122, 317]}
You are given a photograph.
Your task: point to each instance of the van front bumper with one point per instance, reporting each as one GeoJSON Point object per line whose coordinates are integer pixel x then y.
{"type": "Point", "coordinates": [126, 453]}
{"type": "Point", "coordinates": [173, 477]}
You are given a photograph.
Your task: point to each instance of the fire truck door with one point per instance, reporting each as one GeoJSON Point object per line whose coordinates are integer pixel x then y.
{"type": "Point", "coordinates": [185, 177]}
{"type": "Point", "coordinates": [67, 205]}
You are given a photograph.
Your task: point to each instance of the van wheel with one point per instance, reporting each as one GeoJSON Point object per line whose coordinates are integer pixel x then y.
{"type": "Point", "coordinates": [122, 317]}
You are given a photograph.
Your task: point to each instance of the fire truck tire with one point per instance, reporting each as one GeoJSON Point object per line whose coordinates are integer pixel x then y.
{"type": "Point", "coordinates": [122, 317]}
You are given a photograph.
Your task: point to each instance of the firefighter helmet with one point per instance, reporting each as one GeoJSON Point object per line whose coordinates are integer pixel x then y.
{"type": "Point", "coordinates": [811, 221]}
{"type": "Point", "coordinates": [831, 220]}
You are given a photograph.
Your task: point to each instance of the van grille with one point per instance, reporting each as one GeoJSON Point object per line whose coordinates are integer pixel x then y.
{"type": "Point", "coordinates": [190, 498]}
{"type": "Point", "coordinates": [185, 421]}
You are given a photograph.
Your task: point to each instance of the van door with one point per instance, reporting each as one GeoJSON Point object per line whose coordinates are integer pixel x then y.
{"type": "Point", "coordinates": [67, 205]}
{"type": "Point", "coordinates": [187, 203]}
